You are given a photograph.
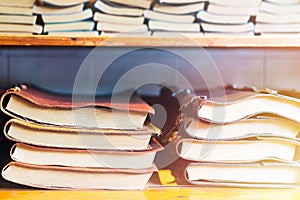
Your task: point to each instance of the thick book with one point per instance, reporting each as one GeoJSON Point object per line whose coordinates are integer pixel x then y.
{"type": "Point", "coordinates": [69, 17]}
{"type": "Point", "coordinates": [75, 138]}
{"type": "Point", "coordinates": [169, 26]}
{"type": "Point", "coordinates": [22, 28]}
{"type": "Point", "coordinates": [70, 26]}
{"type": "Point", "coordinates": [75, 178]}
{"type": "Point", "coordinates": [279, 9]}
{"type": "Point", "coordinates": [239, 151]}
{"type": "Point", "coordinates": [129, 28]}
{"type": "Point", "coordinates": [232, 10]}
{"type": "Point", "coordinates": [17, 3]}
{"type": "Point", "coordinates": [122, 159]}
{"type": "Point", "coordinates": [247, 128]}
{"type": "Point", "coordinates": [179, 9]}
{"type": "Point", "coordinates": [245, 3]}
{"type": "Point", "coordinates": [64, 3]}
{"type": "Point", "coordinates": [264, 17]}
{"type": "Point", "coordinates": [228, 28]}
{"type": "Point", "coordinates": [251, 175]}
{"type": "Point", "coordinates": [48, 108]}
{"type": "Point", "coordinates": [102, 17]}
{"type": "Point", "coordinates": [15, 10]}
{"type": "Point", "coordinates": [18, 19]}
{"type": "Point", "coordinates": [57, 10]}
{"type": "Point", "coordinates": [233, 104]}
{"type": "Point", "coordinates": [134, 3]}
{"type": "Point", "coordinates": [114, 10]}
{"type": "Point", "coordinates": [153, 15]}
{"type": "Point", "coordinates": [204, 16]}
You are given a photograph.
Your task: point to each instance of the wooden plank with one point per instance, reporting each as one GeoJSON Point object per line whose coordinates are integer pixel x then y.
{"type": "Point", "coordinates": [203, 41]}
{"type": "Point", "coordinates": [167, 193]}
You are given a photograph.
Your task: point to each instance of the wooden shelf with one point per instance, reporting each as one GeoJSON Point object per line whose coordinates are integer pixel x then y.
{"type": "Point", "coordinates": [203, 41]}
{"type": "Point", "coordinates": [166, 193]}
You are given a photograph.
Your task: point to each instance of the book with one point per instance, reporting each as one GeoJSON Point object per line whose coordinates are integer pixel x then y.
{"type": "Point", "coordinates": [228, 34]}
{"type": "Point", "coordinates": [39, 106]}
{"type": "Point", "coordinates": [232, 10]}
{"type": "Point", "coordinates": [204, 16]}
{"type": "Point", "coordinates": [232, 104]}
{"type": "Point", "coordinates": [245, 3]}
{"type": "Point", "coordinates": [169, 34]}
{"type": "Point", "coordinates": [69, 17]}
{"type": "Point", "coordinates": [239, 151]}
{"type": "Point", "coordinates": [153, 15]}
{"type": "Point", "coordinates": [64, 3]}
{"type": "Point", "coordinates": [134, 3]}
{"type": "Point", "coordinates": [284, 2]}
{"type": "Point", "coordinates": [71, 26]}
{"type": "Point", "coordinates": [74, 33]}
{"type": "Point", "coordinates": [279, 28]}
{"type": "Point", "coordinates": [79, 138]}
{"type": "Point", "coordinates": [179, 9]}
{"type": "Point", "coordinates": [247, 128]}
{"type": "Point", "coordinates": [254, 175]}
{"type": "Point", "coordinates": [71, 178]}
{"type": "Point", "coordinates": [126, 11]}
{"type": "Point", "coordinates": [57, 10]}
{"type": "Point", "coordinates": [279, 9]}
{"type": "Point", "coordinates": [22, 28]}
{"type": "Point", "coordinates": [18, 19]}
{"type": "Point", "coordinates": [125, 34]}
{"type": "Point", "coordinates": [122, 159]}
{"type": "Point", "coordinates": [228, 28]}
{"type": "Point", "coordinates": [263, 17]}
{"type": "Point", "coordinates": [168, 26]}
{"type": "Point", "coordinates": [15, 10]}
{"type": "Point", "coordinates": [112, 27]}
{"type": "Point", "coordinates": [17, 3]}
{"type": "Point", "coordinates": [180, 1]}
{"type": "Point", "coordinates": [102, 17]}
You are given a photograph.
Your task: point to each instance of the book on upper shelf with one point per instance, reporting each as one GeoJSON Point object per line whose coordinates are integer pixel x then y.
{"type": "Point", "coordinates": [240, 103]}
{"type": "Point", "coordinates": [236, 3]}
{"type": "Point", "coordinates": [269, 7]}
{"type": "Point", "coordinates": [251, 175]}
{"type": "Point", "coordinates": [69, 17]}
{"type": "Point", "coordinates": [17, 3]}
{"type": "Point", "coordinates": [252, 150]}
{"type": "Point", "coordinates": [247, 128]}
{"type": "Point", "coordinates": [179, 9]}
{"type": "Point", "coordinates": [102, 17]}
{"type": "Point", "coordinates": [15, 10]}
{"type": "Point", "coordinates": [39, 106]}
{"type": "Point", "coordinates": [204, 16]}
{"type": "Point", "coordinates": [134, 3]}
{"type": "Point", "coordinates": [153, 15]}
{"type": "Point", "coordinates": [114, 10]}
{"type": "Point", "coordinates": [62, 3]}
{"type": "Point", "coordinates": [232, 10]}
{"type": "Point", "coordinates": [169, 26]}
{"type": "Point", "coordinates": [71, 26]}
{"type": "Point", "coordinates": [70, 178]}
{"type": "Point", "coordinates": [57, 10]}
{"type": "Point", "coordinates": [79, 138]}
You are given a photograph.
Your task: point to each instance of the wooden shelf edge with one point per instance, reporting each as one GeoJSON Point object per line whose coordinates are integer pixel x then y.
{"type": "Point", "coordinates": [163, 193]}
{"type": "Point", "coordinates": [149, 41]}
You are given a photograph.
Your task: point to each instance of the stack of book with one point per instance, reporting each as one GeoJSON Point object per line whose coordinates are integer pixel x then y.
{"type": "Point", "coordinates": [63, 143]}
{"type": "Point", "coordinates": [169, 16]}
{"type": "Point", "coordinates": [278, 17]}
{"type": "Point", "coordinates": [242, 138]}
{"type": "Point", "coordinates": [121, 16]}
{"type": "Point", "coordinates": [228, 17]}
{"type": "Point", "coordinates": [16, 17]}
{"type": "Point", "coordinates": [66, 18]}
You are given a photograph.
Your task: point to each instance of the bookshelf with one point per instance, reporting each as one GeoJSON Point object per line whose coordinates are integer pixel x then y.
{"type": "Point", "coordinates": [163, 192]}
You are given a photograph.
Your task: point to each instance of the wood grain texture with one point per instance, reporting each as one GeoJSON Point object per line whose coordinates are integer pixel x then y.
{"type": "Point", "coordinates": [203, 41]}
{"type": "Point", "coordinates": [167, 193]}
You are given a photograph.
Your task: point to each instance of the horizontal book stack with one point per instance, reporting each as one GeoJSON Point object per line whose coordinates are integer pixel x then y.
{"type": "Point", "coordinates": [228, 17]}
{"type": "Point", "coordinates": [121, 16]}
{"type": "Point", "coordinates": [16, 17]}
{"type": "Point", "coordinates": [169, 16]}
{"type": "Point", "coordinates": [240, 138]}
{"type": "Point", "coordinates": [63, 143]}
{"type": "Point", "coordinates": [278, 17]}
{"type": "Point", "coordinates": [66, 18]}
